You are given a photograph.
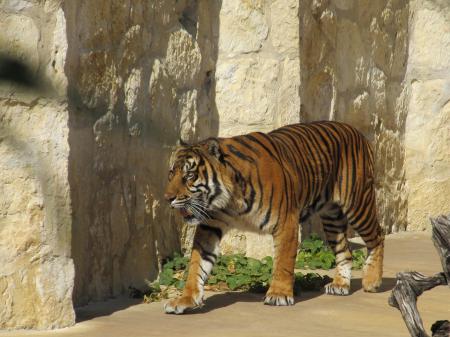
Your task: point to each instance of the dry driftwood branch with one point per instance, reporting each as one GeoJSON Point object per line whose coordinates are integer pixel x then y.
{"type": "Point", "coordinates": [410, 285]}
{"type": "Point", "coordinates": [441, 240]}
{"type": "Point", "coordinates": [404, 297]}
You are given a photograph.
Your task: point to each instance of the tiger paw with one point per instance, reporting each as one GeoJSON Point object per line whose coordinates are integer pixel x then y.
{"type": "Point", "coordinates": [180, 305]}
{"type": "Point", "coordinates": [333, 288]}
{"type": "Point", "coordinates": [275, 298]}
{"type": "Point", "coordinates": [371, 285]}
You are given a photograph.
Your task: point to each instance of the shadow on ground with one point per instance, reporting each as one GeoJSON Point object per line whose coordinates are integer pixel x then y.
{"type": "Point", "coordinates": [99, 309]}
{"type": "Point", "coordinates": [221, 300]}
{"type": "Point", "coordinates": [387, 285]}
{"type": "Point", "coordinates": [213, 302]}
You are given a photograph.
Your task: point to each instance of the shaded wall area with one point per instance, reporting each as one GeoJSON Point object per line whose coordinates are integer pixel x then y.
{"type": "Point", "coordinates": [354, 57]}
{"type": "Point", "coordinates": [141, 75]}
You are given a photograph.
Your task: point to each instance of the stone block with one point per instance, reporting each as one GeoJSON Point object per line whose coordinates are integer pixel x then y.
{"type": "Point", "coordinates": [246, 94]}
{"type": "Point", "coordinates": [285, 27]}
{"type": "Point", "coordinates": [427, 144]}
{"type": "Point", "coordinates": [243, 26]}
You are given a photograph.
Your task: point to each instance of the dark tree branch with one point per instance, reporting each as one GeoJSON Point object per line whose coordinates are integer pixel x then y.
{"type": "Point", "coordinates": [411, 285]}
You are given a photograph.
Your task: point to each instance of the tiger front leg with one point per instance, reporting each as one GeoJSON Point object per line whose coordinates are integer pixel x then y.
{"type": "Point", "coordinates": [203, 257]}
{"type": "Point", "coordinates": [281, 290]}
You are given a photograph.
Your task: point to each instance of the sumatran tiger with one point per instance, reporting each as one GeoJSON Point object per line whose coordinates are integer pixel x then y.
{"type": "Point", "coordinates": [268, 183]}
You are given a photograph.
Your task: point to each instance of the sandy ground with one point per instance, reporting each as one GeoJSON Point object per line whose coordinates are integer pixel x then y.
{"type": "Point", "coordinates": [243, 314]}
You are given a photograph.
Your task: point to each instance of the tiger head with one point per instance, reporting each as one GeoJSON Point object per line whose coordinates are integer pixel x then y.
{"type": "Point", "coordinates": [199, 181]}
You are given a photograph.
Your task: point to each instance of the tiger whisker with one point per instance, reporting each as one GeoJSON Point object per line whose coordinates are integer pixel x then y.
{"type": "Point", "coordinates": [200, 204]}
{"type": "Point", "coordinates": [200, 208]}
{"type": "Point", "coordinates": [200, 212]}
{"type": "Point", "coordinates": [195, 212]}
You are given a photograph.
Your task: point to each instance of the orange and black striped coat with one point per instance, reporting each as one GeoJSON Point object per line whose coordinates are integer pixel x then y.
{"type": "Point", "coordinates": [269, 183]}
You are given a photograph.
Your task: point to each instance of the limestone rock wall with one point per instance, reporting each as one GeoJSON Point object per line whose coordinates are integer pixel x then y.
{"type": "Point", "coordinates": [258, 66]}
{"type": "Point", "coordinates": [427, 131]}
{"type": "Point", "coordinates": [141, 75]}
{"type": "Point", "coordinates": [83, 169]}
{"type": "Point", "coordinates": [36, 273]}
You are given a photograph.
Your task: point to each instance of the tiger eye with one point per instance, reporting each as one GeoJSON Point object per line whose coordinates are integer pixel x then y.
{"type": "Point", "coordinates": [191, 176]}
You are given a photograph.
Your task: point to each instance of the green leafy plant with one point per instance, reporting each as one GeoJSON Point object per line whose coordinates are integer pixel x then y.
{"type": "Point", "coordinates": [231, 272]}
{"type": "Point", "coordinates": [173, 272]}
{"type": "Point", "coordinates": [359, 257]}
{"type": "Point", "coordinates": [314, 254]}
{"type": "Point", "coordinates": [238, 272]}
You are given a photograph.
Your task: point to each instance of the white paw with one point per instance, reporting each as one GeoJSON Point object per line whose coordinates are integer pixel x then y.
{"type": "Point", "coordinates": [278, 300]}
{"type": "Point", "coordinates": [334, 289]}
{"type": "Point", "coordinates": [180, 305]}
{"type": "Point", "coordinates": [174, 309]}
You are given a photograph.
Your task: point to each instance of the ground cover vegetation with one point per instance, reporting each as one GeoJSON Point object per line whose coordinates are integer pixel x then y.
{"type": "Point", "coordinates": [237, 272]}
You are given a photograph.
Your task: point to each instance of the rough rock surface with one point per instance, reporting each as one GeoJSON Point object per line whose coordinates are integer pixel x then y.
{"type": "Point", "coordinates": [427, 129]}
{"type": "Point", "coordinates": [82, 174]}
{"type": "Point", "coordinates": [135, 87]}
{"type": "Point", "coordinates": [36, 273]}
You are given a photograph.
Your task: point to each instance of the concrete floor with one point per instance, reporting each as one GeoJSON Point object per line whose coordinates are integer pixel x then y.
{"type": "Point", "coordinates": [243, 314]}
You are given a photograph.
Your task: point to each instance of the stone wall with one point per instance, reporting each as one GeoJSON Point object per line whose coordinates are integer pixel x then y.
{"type": "Point", "coordinates": [82, 173]}
{"type": "Point", "coordinates": [141, 75]}
{"type": "Point", "coordinates": [427, 129]}
{"type": "Point", "coordinates": [36, 273]}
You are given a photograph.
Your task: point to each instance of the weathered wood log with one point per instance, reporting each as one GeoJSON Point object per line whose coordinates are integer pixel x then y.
{"type": "Point", "coordinates": [410, 285]}
{"type": "Point", "coordinates": [441, 240]}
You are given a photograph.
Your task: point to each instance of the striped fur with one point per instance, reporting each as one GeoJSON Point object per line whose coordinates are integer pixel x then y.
{"type": "Point", "coordinates": [269, 183]}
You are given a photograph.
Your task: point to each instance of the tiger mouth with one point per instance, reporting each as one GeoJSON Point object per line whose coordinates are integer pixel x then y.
{"type": "Point", "coordinates": [185, 213]}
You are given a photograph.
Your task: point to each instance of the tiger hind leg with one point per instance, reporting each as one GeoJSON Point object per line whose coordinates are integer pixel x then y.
{"type": "Point", "coordinates": [364, 221]}
{"type": "Point", "coordinates": [335, 228]}
{"type": "Point", "coordinates": [373, 266]}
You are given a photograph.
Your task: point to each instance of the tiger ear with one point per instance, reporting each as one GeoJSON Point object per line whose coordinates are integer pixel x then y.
{"type": "Point", "coordinates": [214, 149]}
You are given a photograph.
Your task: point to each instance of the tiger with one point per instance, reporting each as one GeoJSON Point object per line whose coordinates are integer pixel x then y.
{"type": "Point", "coordinates": [270, 183]}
